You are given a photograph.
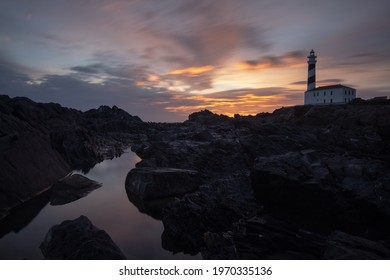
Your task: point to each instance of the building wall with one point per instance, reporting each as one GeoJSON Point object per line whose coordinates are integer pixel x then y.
{"type": "Point", "coordinates": [330, 96]}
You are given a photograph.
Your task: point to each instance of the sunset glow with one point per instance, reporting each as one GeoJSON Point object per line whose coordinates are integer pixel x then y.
{"type": "Point", "coordinates": [162, 60]}
{"type": "Point", "coordinates": [192, 71]}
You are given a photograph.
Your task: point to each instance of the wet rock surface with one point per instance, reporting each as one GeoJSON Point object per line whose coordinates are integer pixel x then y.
{"type": "Point", "coordinates": [284, 185]}
{"type": "Point", "coordinates": [153, 183]}
{"type": "Point", "coordinates": [71, 188]}
{"type": "Point", "coordinates": [303, 182]}
{"type": "Point", "coordinates": [41, 143]}
{"type": "Point", "coordinates": [79, 239]}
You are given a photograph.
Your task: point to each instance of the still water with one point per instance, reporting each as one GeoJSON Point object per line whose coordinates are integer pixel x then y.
{"type": "Point", "coordinates": [137, 235]}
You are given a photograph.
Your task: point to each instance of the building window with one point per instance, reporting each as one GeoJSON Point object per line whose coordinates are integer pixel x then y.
{"type": "Point", "coordinates": [345, 100]}
{"type": "Point", "coordinates": [314, 94]}
{"type": "Point", "coordinates": [324, 93]}
{"type": "Point", "coordinates": [317, 93]}
{"type": "Point", "coordinates": [324, 101]}
{"type": "Point", "coordinates": [331, 92]}
{"type": "Point", "coordinates": [345, 91]}
{"type": "Point", "coordinates": [331, 100]}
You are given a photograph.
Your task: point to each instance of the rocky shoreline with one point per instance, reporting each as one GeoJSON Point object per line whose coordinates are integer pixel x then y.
{"type": "Point", "coordinates": [305, 182]}
{"type": "Point", "coordinates": [42, 143]}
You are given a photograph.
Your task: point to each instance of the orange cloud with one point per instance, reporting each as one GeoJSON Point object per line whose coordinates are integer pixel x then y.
{"type": "Point", "coordinates": [139, 83]}
{"type": "Point", "coordinates": [153, 78]}
{"type": "Point", "coordinates": [291, 59]}
{"type": "Point", "coordinates": [243, 103]}
{"type": "Point", "coordinates": [192, 71]}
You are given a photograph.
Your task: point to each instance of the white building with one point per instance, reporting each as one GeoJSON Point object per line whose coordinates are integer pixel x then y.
{"type": "Point", "coordinates": [332, 94]}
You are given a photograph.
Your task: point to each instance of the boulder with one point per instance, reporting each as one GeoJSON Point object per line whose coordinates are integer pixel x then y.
{"type": "Point", "coordinates": [213, 208]}
{"type": "Point", "coordinates": [79, 239]}
{"type": "Point", "coordinates": [29, 165]}
{"type": "Point", "coordinates": [72, 188]}
{"type": "Point", "coordinates": [151, 183]}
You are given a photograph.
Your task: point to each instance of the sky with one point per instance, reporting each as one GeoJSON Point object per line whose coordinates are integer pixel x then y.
{"type": "Point", "coordinates": [162, 60]}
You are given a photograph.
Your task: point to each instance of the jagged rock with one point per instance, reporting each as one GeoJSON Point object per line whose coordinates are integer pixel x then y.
{"type": "Point", "coordinates": [152, 189]}
{"type": "Point", "coordinates": [78, 147]}
{"type": "Point", "coordinates": [151, 183]}
{"type": "Point", "coordinates": [29, 165]}
{"type": "Point", "coordinates": [40, 143]}
{"type": "Point", "coordinates": [343, 246]}
{"type": "Point", "coordinates": [71, 188]}
{"type": "Point", "coordinates": [320, 196]}
{"type": "Point", "coordinates": [219, 246]}
{"type": "Point", "coordinates": [266, 237]}
{"type": "Point", "coordinates": [213, 208]}
{"type": "Point", "coordinates": [322, 168]}
{"type": "Point", "coordinates": [79, 239]}
{"type": "Point", "coordinates": [269, 238]}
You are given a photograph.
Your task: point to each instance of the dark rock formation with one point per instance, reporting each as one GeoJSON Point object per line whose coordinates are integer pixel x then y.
{"type": "Point", "coordinates": [71, 188]}
{"type": "Point", "coordinates": [303, 182]}
{"type": "Point", "coordinates": [214, 208]}
{"type": "Point", "coordinates": [28, 163]}
{"type": "Point", "coordinates": [151, 189]}
{"type": "Point", "coordinates": [307, 171]}
{"type": "Point", "coordinates": [79, 239]}
{"type": "Point", "coordinates": [41, 143]}
{"type": "Point", "coordinates": [151, 183]}
{"type": "Point", "coordinates": [342, 246]}
{"type": "Point", "coordinates": [268, 238]}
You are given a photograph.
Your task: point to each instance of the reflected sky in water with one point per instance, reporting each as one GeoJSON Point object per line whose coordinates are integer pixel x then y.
{"type": "Point", "coordinates": [138, 235]}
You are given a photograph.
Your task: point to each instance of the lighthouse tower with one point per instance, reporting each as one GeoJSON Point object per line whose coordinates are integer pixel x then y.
{"type": "Point", "coordinates": [324, 95]}
{"type": "Point", "coordinates": [311, 78]}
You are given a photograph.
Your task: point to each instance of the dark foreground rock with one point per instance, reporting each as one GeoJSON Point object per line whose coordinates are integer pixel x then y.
{"type": "Point", "coordinates": [28, 163]}
{"type": "Point", "coordinates": [79, 239]}
{"type": "Point", "coordinates": [41, 143]}
{"type": "Point", "coordinates": [71, 188]}
{"type": "Point", "coordinates": [305, 182]}
{"type": "Point", "coordinates": [152, 189]}
{"type": "Point", "coordinates": [268, 238]}
{"type": "Point", "coordinates": [151, 183]}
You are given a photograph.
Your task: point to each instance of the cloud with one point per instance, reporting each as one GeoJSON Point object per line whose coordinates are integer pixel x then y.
{"type": "Point", "coordinates": [151, 57]}
{"type": "Point", "coordinates": [89, 69]}
{"type": "Point", "coordinates": [215, 43]}
{"type": "Point", "coordinates": [271, 61]}
{"type": "Point", "coordinates": [71, 91]}
{"type": "Point", "coordinates": [150, 103]}
{"type": "Point", "coordinates": [192, 71]}
{"type": "Point", "coordinates": [330, 81]}
{"type": "Point", "coordinates": [299, 83]}
{"type": "Point", "coordinates": [243, 101]}
{"type": "Point", "coordinates": [4, 39]}
{"type": "Point", "coordinates": [191, 78]}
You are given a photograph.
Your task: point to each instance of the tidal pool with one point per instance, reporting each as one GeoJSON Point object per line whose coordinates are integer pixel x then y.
{"type": "Point", "coordinates": [136, 234]}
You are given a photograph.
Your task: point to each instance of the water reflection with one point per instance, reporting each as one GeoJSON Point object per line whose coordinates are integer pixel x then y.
{"type": "Point", "coordinates": [108, 208]}
{"type": "Point", "coordinates": [21, 216]}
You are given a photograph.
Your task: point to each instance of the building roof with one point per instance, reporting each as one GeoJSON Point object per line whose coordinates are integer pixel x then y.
{"type": "Point", "coordinates": [330, 87]}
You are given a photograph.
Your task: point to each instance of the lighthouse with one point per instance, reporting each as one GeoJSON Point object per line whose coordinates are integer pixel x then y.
{"type": "Point", "coordinates": [325, 95]}
{"type": "Point", "coordinates": [311, 77]}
